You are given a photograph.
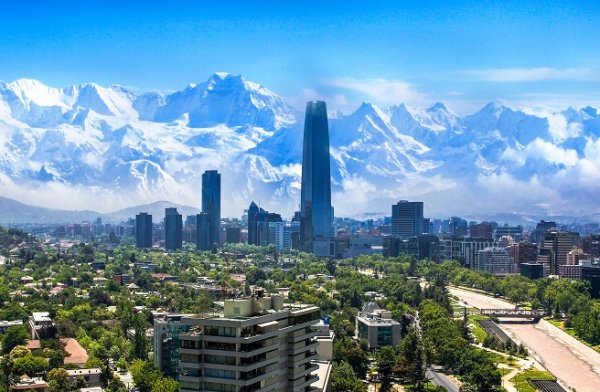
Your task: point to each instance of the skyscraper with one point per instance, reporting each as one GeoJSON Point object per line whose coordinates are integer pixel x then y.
{"type": "Point", "coordinates": [211, 203]}
{"type": "Point", "coordinates": [173, 229]}
{"type": "Point", "coordinates": [203, 232]}
{"type": "Point", "coordinates": [315, 206]}
{"type": "Point", "coordinates": [143, 230]}
{"type": "Point", "coordinates": [407, 219]}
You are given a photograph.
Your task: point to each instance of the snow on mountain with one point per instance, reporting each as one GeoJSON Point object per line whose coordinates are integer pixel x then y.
{"type": "Point", "coordinates": [105, 148]}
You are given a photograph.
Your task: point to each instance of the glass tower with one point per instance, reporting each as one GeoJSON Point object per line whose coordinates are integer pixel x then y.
{"type": "Point", "coordinates": [315, 206]}
{"type": "Point", "coordinates": [173, 229]}
{"type": "Point", "coordinates": [211, 203]}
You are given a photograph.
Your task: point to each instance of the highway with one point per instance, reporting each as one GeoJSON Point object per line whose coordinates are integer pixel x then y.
{"type": "Point", "coordinates": [572, 362]}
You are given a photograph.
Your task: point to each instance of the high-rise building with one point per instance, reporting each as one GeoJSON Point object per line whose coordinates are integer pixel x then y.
{"type": "Point", "coordinates": [211, 203]}
{"type": "Point", "coordinates": [258, 225]}
{"type": "Point", "coordinates": [407, 219]}
{"type": "Point", "coordinates": [255, 344]}
{"type": "Point", "coordinates": [203, 232]}
{"type": "Point", "coordinates": [233, 235]}
{"type": "Point", "coordinates": [481, 230]}
{"type": "Point", "coordinates": [143, 230]}
{"type": "Point", "coordinates": [494, 260]}
{"type": "Point", "coordinates": [316, 233]}
{"type": "Point", "coordinates": [173, 229]}
{"type": "Point", "coordinates": [560, 243]}
{"type": "Point", "coordinates": [542, 227]}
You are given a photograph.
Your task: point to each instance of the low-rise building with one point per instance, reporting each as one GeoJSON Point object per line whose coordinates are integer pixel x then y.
{"type": "Point", "coordinates": [377, 327]}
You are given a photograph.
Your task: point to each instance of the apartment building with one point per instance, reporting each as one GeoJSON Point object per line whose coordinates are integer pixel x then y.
{"type": "Point", "coordinates": [256, 344]}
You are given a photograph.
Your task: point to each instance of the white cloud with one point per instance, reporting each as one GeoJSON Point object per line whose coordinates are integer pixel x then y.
{"type": "Point", "coordinates": [542, 150]}
{"type": "Point", "coordinates": [381, 90]}
{"type": "Point", "coordinates": [501, 75]}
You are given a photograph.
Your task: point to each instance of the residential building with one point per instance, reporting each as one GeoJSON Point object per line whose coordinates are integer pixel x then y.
{"type": "Point", "coordinates": [576, 256]}
{"type": "Point", "coordinates": [173, 229]}
{"type": "Point", "coordinates": [316, 212]}
{"type": "Point", "coordinates": [255, 344]}
{"type": "Point", "coordinates": [166, 342]}
{"type": "Point", "coordinates": [39, 324]}
{"type": "Point", "coordinates": [143, 230]}
{"type": "Point", "coordinates": [211, 203]}
{"type": "Point", "coordinates": [377, 327]}
{"type": "Point", "coordinates": [462, 249]}
{"type": "Point", "coordinates": [523, 252]}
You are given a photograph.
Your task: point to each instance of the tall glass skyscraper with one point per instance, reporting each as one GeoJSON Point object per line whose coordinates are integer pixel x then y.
{"type": "Point", "coordinates": [211, 203]}
{"type": "Point", "coordinates": [316, 213]}
{"type": "Point", "coordinates": [173, 229]}
{"type": "Point", "coordinates": [143, 230]}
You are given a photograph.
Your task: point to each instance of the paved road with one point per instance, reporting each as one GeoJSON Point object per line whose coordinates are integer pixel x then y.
{"type": "Point", "coordinates": [572, 362]}
{"type": "Point", "coordinates": [442, 380]}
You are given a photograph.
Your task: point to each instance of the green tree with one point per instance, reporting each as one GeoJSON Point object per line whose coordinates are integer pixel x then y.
{"type": "Point", "coordinates": [9, 377]}
{"type": "Point", "coordinates": [19, 352]}
{"type": "Point", "coordinates": [30, 365]}
{"type": "Point", "coordinates": [343, 379]}
{"type": "Point", "coordinates": [14, 336]}
{"type": "Point", "coordinates": [165, 384]}
{"type": "Point", "coordinates": [386, 361]}
{"type": "Point", "coordinates": [58, 380]}
{"type": "Point", "coordinates": [144, 374]}
{"type": "Point", "coordinates": [413, 358]}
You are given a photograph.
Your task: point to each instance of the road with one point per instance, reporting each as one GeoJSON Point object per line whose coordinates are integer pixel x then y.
{"type": "Point", "coordinates": [442, 380]}
{"type": "Point", "coordinates": [572, 362]}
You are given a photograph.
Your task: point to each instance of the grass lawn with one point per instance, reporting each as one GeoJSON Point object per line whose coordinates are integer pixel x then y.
{"type": "Point", "coordinates": [478, 332]}
{"type": "Point", "coordinates": [521, 380]}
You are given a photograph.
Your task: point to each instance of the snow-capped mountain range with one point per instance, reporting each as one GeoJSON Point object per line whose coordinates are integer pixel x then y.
{"type": "Point", "coordinates": [104, 148]}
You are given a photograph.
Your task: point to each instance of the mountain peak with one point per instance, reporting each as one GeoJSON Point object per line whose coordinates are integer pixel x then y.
{"type": "Point", "coordinates": [438, 106]}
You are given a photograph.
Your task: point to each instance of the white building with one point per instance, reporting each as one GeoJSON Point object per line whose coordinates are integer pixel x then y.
{"type": "Point", "coordinates": [495, 260]}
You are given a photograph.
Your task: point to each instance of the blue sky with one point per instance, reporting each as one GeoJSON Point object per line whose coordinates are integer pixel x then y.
{"type": "Point", "coordinates": [542, 54]}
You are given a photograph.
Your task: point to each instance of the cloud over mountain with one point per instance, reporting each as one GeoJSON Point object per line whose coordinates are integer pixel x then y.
{"type": "Point", "coordinates": [104, 148]}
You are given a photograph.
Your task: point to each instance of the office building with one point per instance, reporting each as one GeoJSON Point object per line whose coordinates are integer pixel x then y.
{"type": "Point", "coordinates": [591, 273]}
{"type": "Point", "coordinates": [494, 260]}
{"type": "Point", "coordinates": [407, 219]}
{"type": "Point", "coordinates": [259, 220]}
{"type": "Point", "coordinates": [203, 232]}
{"type": "Point", "coordinates": [211, 203]}
{"type": "Point", "coordinates": [532, 270]}
{"type": "Point", "coordinates": [481, 230]}
{"type": "Point", "coordinates": [377, 326]}
{"type": "Point", "coordinates": [233, 235]}
{"type": "Point", "coordinates": [255, 344]}
{"type": "Point", "coordinates": [173, 229]}
{"type": "Point", "coordinates": [542, 227]}
{"type": "Point", "coordinates": [316, 231]}
{"type": "Point", "coordinates": [515, 232]}
{"type": "Point", "coordinates": [523, 252]}
{"type": "Point", "coordinates": [143, 230]}
{"type": "Point", "coordinates": [463, 250]}
{"type": "Point", "coordinates": [559, 243]}
{"type": "Point", "coordinates": [458, 227]}
{"type": "Point", "coordinates": [281, 234]}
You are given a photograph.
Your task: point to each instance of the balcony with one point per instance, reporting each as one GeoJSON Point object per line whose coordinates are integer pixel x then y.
{"type": "Point", "coordinates": [300, 348]}
{"type": "Point", "coordinates": [303, 371]}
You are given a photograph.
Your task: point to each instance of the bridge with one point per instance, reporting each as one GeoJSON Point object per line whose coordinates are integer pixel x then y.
{"type": "Point", "coordinates": [513, 313]}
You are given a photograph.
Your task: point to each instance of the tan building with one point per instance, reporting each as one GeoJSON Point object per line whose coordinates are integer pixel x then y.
{"type": "Point", "coordinates": [256, 344]}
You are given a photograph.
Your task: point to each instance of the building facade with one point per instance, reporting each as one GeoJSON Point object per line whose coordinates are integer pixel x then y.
{"type": "Point", "coordinates": [256, 344]}
{"type": "Point", "coordinates": [316, 212]}
{"type": "Point", "coordinates": [377, 327]}
{"type": "Point", "coordinates": [143, 230]}
{"type": "Point", "coordinates": [407, 219]}
{"type": "Point", "coordinates": [211, 203]}
{"type": "Point", "coordinates": [173, 229]}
